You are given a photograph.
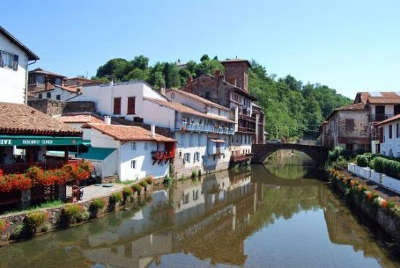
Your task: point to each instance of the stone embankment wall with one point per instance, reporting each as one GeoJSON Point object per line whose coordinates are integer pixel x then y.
{"type": "Point", "coordinates": [54, 221]}
{"type": "Point", "coordinates": [368, 201]}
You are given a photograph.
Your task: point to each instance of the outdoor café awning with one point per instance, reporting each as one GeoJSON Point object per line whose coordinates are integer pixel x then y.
{"type": "Point", "coordinates": [30, 140]}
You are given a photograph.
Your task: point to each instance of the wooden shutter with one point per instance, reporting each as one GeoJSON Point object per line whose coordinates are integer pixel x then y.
{"type": "Point", "coordinates": [131, 105]}
{"type": "Point", "coordinates": [117, 105]}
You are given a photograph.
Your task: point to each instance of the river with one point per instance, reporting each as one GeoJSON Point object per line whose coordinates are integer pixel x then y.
{"type": "Point", "coordinates": [277, 215]}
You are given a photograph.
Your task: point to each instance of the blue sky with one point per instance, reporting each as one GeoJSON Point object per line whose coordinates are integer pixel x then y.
{"type": "Point", "coordinates": [347, 45]}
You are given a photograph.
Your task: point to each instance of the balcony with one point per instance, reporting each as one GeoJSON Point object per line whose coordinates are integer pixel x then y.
{"type": "Point", "coordinates": [159, 156]}
{"type": "Point", "coordinates": [247, 118]}
{"type": "Point", "coordinates": [379, 117]}
{"type": "Point", "coordinates": [207, 128]}
{"type": "Point", "coordinates": [246, 130]}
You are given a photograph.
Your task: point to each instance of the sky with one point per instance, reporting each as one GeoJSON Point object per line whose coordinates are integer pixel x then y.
{"type": "Point", "coordinates": [349, 45]}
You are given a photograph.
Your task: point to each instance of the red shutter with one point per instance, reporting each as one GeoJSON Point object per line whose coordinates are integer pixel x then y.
{"type": "Point", "coordinates": [131, 105]}
{"type": "Point", "coordinates": [117, 105]}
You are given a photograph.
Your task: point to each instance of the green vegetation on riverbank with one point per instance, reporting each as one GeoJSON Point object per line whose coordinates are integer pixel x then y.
{"type": "Point", "coordinates": [292, 109]}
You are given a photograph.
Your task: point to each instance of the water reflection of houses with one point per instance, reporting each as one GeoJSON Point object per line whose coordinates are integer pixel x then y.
{"type": "Point", "coordinates": [216, 209]}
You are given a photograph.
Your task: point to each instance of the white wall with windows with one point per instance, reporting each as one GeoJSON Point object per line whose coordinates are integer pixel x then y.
{"type": "Point", "coordinates": [13, 72]}
{"type": "Point", "coordinates": [126, 100]}
{"type": "Point", "coordinates": [57, 94]}
{"type": "Point", "coordinates": [390, 146]}
{"type": "Point", "coordinates": [133, 159]}
{"type": "Point", "coordinates": [191, 147]}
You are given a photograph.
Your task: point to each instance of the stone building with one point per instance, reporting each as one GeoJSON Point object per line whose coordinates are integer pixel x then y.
{"type": "Point", "coordinates": [231, 90]}
{"type": "Point", "coordinates": [353, 127]}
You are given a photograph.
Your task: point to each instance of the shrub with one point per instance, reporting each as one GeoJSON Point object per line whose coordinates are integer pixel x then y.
{"type": "Point", "coordinates": [362, 160]}
{"type": "Point", "coordinates": [383, 165]}
{"type": "Point", "coordinates": [340, 163]}
{"type": "Point", "coordinates": [73, 210]}
{"type": "Point", "coordinates": [137, 188]}
{"type": "Point", "coordinates": [17, 233]}
{"type": "Point", "coordinates": [98, 203]}
{"type": "Point", "coordinates": [115, 197]}
{"type": "Point", "coordinates": [335, 153]}
{"type": "Point", "coordinates": [71, 213]}
{"type": "Point", "coordinates": [143, 183]}
{"type": "Point", "coordinates": [149, 180]}
{"type": "Point", "coordinates": [3, 225]}
{"type": "Point", "coordinates": [194, 173]}
{"type": "Point", "coordinates": [38, 217]}
{"type": "Point", "coordinates": [127, 192]}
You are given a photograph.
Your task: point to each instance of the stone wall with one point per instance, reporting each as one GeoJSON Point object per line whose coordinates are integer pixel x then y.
{"type": "Point", "coordinates": [79, 107]}
{"type": "Point", "coordinates": [47, 106]}
{"type": "Point", "coordinates": [16, 220]}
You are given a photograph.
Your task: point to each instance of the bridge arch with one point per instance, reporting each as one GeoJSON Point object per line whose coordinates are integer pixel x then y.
{"type": "Point", "coordinates": [262, 151]}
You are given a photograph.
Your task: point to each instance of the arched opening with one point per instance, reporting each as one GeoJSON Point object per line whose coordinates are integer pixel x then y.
{"type": "Point", "coordinates": [289, 164]}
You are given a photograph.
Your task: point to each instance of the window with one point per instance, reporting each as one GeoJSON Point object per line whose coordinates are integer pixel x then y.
{"type": "Point", "coordinates": [196, 157]}
{"type": "Point", "coordinates": [8, 60]}
{"type": "Point", "coordinates": [186, 198]}
{"type": "Point", "coordinates": [58, 97]}
{"type": "Point", "coordinates": [195, 195]}
{"type": "Point", "coordinates": [133, 164]}
{"type": "Point", "coordinates": [390, 131]}
{"type": "Point", "coordinates": [133, 146]}
{"type": "Point", "coordinates": [117, 105]}
{"type": "Point", "coordinates": [349, 125]}
{"type": "Point", "coordinates": [48, 95]}
{"type": "Point", "coordinates": [40, 96]}
{"type": "Point", "coordinates": [57, 81]}
{"type": "Point", "coordinates": [131, 105]}
{"type": "Point", "coordinates": [397, 131]}
{"type": "Point", "coordinates": [186, 157]}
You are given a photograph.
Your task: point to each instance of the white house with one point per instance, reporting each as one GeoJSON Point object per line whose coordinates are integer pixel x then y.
{"type": "Point", "coordinates": [389, 134]}
{"type": "Point", "coordinates": [136, 153]}
{"type": "Point", "coordinates": [14, 60]}
{"type": "Point", "coordinates": [126, 100]}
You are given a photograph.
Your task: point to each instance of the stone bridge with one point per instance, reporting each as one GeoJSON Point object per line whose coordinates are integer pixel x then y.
{"type": "Point", "coordinates": [262, 151]}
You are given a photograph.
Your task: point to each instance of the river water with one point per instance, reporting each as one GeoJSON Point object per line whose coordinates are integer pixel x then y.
{"type": "Point", "coordinates": [265, 216]}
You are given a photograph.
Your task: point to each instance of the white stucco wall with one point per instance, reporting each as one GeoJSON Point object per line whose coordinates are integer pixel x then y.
{"type": "Point", "coordinates": [144, 162]}
{"type": "Point", "coordinates": [13, 83]}
{"type": "Point", "coordinates": [103, 96]}
{"type": "Point", "coordinates": [391, 147]}
{"type": "Point", "coordinates": [64, 94]}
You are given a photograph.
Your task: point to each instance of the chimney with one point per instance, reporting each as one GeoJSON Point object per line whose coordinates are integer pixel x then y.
{"type": "Point", "coordinates": [162, 91]}
{"type": "Point", "coordinates": [107, 120]}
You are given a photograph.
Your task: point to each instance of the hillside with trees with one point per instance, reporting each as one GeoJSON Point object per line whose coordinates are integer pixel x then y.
{"type": "Point", "coordinates": [292, 109]}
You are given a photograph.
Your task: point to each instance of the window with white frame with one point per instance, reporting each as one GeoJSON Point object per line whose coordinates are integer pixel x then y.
{"type": "Point", "coordinates": [196, 157]}
{"type": "Point", "coordinates": [195, 195]}
{"type": "Point", "coordinates": [8, 60]}
{"type": "Point", "coordinates": [133, 164]}
{"type": "Point", "coordinates": [133, 146]}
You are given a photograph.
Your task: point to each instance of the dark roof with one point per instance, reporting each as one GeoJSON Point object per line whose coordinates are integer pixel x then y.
{"type": "Point", "coordinates": [22, 119]}
{"type": "Point", "coordinates": [41, 71]}
{"type": "Point", "coordinates": [200, 99]}
{"type": "Point", "coordinates": [31, 55]}
{"type": "Point", "coordinates": [236, 60]}
{"type": "Point", "coordinates": [378, 97]}
{"type": "Point", "coordinates": [352, 107]}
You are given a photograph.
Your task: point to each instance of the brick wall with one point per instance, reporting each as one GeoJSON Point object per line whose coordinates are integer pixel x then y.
{"type": "Point", "coordinates": [237, 71]}
{"type": "Point", "coordinates": [50, 107]}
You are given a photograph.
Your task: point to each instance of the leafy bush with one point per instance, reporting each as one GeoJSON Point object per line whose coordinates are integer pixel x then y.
{"type": "Point", "coordinates": [137, 188]}
{"type": "Point", "coordinates": [17, 233]}
{"type": "Point", "coordinates": [340, 163]}
{"type": "Point", "coordinates": [386, 166]}
{"type": "Point", "coordinates": [71, 213]}
{"type": "Point", "coordinates": [38, 217]}
{"type": "Point", "coordinates": [98, 203]}
{"type": "Point", "coordinates": [3, 225]}
{"type": "Point", "coordinates": [127, 192]}
{"type": "Point", "coordinates": [115, 197]}
{"type": "Point", "coordinates": [194, 173]}
{"type": "Point", "coordinates": [143, 183]}
{"type": "Point", "coordinates": [335, 154]}
{"type": "Point", "coordinates": [149, 180]}
{"type": "Point", "coordinates": [362, 160]}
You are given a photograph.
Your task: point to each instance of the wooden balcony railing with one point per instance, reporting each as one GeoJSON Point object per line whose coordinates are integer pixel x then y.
{"type": "Point", "coordinates": [162, 155]}
{"type": "Point", "coordinates": [240, 157]}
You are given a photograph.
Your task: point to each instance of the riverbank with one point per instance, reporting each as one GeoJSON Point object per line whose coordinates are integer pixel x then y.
{"type": "Point", "coordinates": [23, 225]}
{"type": "Point", "coordinates": [376, 204]}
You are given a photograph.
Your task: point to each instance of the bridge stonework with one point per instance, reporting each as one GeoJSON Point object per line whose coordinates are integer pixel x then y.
{"type": "Point", "coordinates": [261, 151]}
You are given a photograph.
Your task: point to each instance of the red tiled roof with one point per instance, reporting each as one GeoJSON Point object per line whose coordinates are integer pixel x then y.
{"type": "Point", "coordinates": [50, 86]}
{"type": "Point", "coordinates": [351, 107]}
{"type": "Point", "coordinates": [128, 133]}
{"type": "Point", "coordinates": [391, 119]}
{"type": "Point", "coordinates": [384, 98]}
{"type": "Point", "coordinates": [22, 119]}
{"type": "Point", "coordinates": [80, 118]}
{"type": "Point", "coordinates": [200, 99]}
{"type": "Point", "coordinates": [187, 110]}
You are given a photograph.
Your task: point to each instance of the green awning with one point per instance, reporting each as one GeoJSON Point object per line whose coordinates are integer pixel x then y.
{"type": "Point", "coordinates": [24, 140]}
{"type": "Point", "coordinates": [95, 153]}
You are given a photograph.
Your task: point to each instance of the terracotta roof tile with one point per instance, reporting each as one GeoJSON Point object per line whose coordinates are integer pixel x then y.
{"type": "Point", "coordinates": [351, 107]}
{"type": "Point", "coordinates": [379, 97]}
{"type": "Point", "coordinates": [391, 119]}
{"type": "Point", "coordinates": [41, 71]}
{"type": "Point", "coordinates": [198, 98]}
{"type": "Point", "coordinates": [80, 118]}
{"type": "Point", "coordinates": [22, 119]}
{"type": "Point", "coordinates": [187, 110]}
{"type": "Point", "coordinates": [128, 133]}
